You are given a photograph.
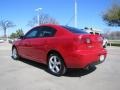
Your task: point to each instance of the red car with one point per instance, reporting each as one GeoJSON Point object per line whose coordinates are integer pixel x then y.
{"type": "Point", "coordinates": [60, 47]}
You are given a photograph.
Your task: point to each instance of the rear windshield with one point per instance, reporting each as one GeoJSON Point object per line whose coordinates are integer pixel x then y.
{"type": "Point", "coordinates": [75, 30]}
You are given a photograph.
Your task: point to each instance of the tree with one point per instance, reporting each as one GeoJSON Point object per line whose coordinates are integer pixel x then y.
{"type": "Point", "coordinates": [5, 24]}
{"type": "Point", "coordinates": [113, 35]}
{"type": "Point", "coordinates": [13, 35]}
{"type": "Point", "coordinates": [112, 15]}
{"type": "Point", "coordinates": [17, 34]}
{"type": "Point", "coordinates": [43, 19]}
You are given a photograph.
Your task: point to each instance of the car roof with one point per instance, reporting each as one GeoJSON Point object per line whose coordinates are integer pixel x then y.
{"type": "Point", "coordinates": [57, 27]}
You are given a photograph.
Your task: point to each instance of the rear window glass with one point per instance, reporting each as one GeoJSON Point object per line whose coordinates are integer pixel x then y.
{"type": "Point", "coordinates": [75, 30]}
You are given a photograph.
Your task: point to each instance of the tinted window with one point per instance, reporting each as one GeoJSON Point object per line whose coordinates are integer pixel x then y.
{"type": "Point", "coordinates": [32, 33]}
{"type": "Point", "coordinates": [74, 30]}
{"type": "Point", "coordinates": [46, 32]}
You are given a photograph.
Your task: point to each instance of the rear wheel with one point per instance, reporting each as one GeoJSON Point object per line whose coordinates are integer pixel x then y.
{"type": "Point", "coordinates": [15, 54]}
{"type": "Point", "coordinates": [56, 65]}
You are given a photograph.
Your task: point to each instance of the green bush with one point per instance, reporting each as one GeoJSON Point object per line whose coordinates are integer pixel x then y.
{"type": "Point", "coordinates": [114, 44]}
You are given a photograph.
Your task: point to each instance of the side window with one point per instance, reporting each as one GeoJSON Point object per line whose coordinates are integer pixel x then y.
{"type": "Point", "coordinates": [32, 33]}
{"type": "Point", "coordinates": [47, 32]}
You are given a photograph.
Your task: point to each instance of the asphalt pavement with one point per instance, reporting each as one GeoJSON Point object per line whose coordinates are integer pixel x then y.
{"type": "Point", "coordinates": [28, 75]}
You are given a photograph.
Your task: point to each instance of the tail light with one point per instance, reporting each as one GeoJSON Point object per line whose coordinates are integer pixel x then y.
{"type": "Point", "coordinates": [87, 40]}
{"type": "Point", "coordinates": [100, 39]}
{"type": "Point", "coordinates": [84, 40]}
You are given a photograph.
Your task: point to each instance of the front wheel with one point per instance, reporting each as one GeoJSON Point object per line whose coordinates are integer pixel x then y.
{"type": "Point", "coordinates": [15, 53]}
{"type": "Point", "coordinates": [56, 65]}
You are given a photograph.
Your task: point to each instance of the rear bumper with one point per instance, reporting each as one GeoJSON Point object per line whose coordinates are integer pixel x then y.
{"type": "Point", "coordinates": [83, 58]}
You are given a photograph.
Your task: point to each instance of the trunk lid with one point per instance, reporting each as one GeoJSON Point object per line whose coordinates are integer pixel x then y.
{"type": "Point", "coordinates": [89, 41]}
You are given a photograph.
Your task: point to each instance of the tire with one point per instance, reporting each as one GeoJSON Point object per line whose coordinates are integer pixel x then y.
{"type": "Point", "coordinates": [56, 65]}
{"type": "Point", "coordinates": [90, 67]}
{"type": "Point", "coordinates": [105, 45]}
{"type": "Point", "coordinates": [15, 54]}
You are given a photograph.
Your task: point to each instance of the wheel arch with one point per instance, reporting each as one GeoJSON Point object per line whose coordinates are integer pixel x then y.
{"type": "Point", "coordinates": [13, 47]}
{"type": "Point", "coordinates": [55, 52]}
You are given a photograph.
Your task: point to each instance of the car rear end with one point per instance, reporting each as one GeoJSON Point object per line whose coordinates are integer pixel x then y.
{"type": "Point", "coordinates": [87, 50]}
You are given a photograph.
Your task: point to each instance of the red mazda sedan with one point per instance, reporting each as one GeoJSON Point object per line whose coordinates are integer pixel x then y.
{"type": "Point", "coordinates": [60, 47]}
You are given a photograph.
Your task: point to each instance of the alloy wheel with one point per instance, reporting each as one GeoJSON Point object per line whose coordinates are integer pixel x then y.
{"type": "Point", "coordinates": [56, 65]}
{"type": "Point", "coordinates": [14, 53]}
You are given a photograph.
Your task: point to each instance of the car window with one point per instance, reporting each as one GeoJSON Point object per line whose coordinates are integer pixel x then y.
{"type": "Point", "coordinates": [32, 33]}
{"type": "Point", "coordinates": [46, 31]}
{"type": "Point", "coordinates": [75, 30]}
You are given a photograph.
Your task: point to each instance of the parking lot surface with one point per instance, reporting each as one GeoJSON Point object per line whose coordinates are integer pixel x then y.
{"type": "Point", "coordinates": [28, 75]}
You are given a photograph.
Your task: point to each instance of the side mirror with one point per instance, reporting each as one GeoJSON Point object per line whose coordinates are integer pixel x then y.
{"type": "Point", "coordinates": [21, 37]}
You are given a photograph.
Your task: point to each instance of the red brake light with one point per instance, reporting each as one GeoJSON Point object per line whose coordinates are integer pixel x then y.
{"type": "Point", "coordinates": [100, 39]}
{"type": "Point", "coordinates": [84, 40]}
{"type": "Point", "coordinates": [87, 40]}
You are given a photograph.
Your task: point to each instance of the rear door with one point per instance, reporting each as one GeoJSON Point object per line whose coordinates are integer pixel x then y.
{"type": "Point", "coordinates": [42, 44]}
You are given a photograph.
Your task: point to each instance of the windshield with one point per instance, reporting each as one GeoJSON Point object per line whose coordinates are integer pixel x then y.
{"type": "Point", "coordinates": [75, 30]}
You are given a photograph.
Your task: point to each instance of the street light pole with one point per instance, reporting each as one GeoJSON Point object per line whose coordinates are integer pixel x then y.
{"type": "Point", "coordinates": [75, 13]}
{"type": "Point", "coordinates": [38, 16]}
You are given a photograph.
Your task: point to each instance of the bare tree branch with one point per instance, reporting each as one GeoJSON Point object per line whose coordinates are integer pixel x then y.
{"type": "Point", "coordinates": [44, 19]}
{"type": "Point", "coordinates": [5, 24]}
